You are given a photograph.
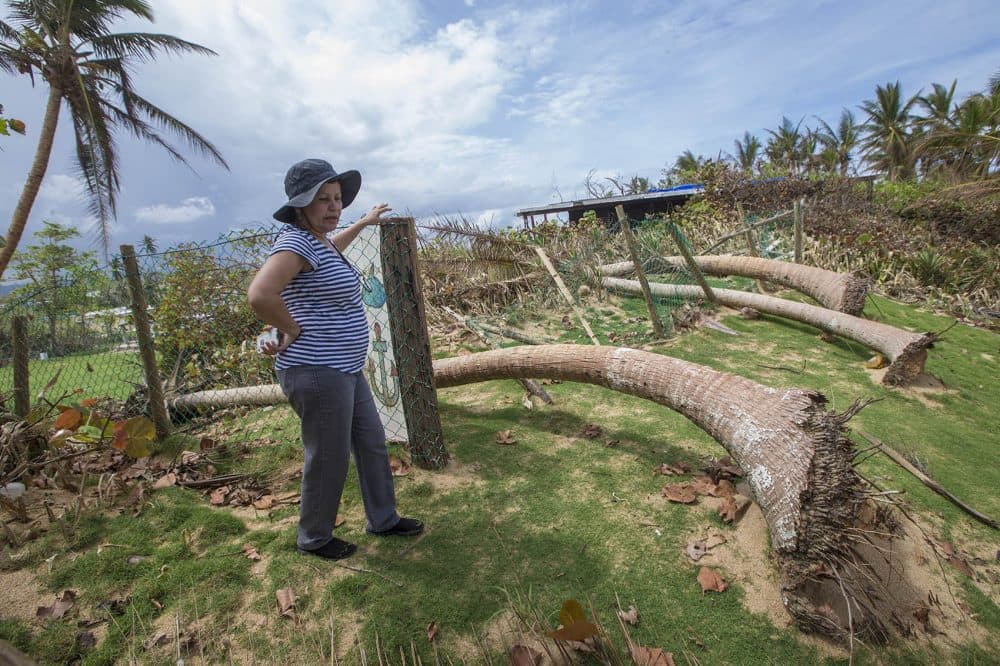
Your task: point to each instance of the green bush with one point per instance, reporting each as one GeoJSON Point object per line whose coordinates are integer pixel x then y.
{"type": "Point", "coordinates": [202, 310]}
{"type": "Point", "coordinates": [896, 196]}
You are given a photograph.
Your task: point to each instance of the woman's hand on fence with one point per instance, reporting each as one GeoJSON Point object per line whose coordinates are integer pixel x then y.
{"type": "Point", "coordinates": [372, 216]}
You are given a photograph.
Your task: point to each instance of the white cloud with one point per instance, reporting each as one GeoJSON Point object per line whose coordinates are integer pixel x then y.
{"type": "Point", "coordinates": [188, 210]}
{"type": "Point", "coordinates": [58, 188]}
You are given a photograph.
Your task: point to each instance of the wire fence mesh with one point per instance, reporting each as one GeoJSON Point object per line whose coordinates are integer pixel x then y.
{"type": "Point", "coordinates": [203, 328]}
{"type": "Point", "coordinates": [204, 331]}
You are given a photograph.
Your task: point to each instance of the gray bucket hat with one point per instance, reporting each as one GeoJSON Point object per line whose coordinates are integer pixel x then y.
{"type": "Point", "coordinates": [303, 181]}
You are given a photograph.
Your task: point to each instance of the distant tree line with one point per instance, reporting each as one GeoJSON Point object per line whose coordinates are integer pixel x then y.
{"type": "Point", "coordinates": [927, 135]}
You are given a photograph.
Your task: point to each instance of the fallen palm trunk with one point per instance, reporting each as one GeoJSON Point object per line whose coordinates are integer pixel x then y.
{"type": "Point", "coordinates": [797, 461]}
{"type": "Point", "coordinates": [837, 573]}
{"type": "Point", "coordinates": [906, 351]}
{"type": "Point", "coordinates": [837, 291]}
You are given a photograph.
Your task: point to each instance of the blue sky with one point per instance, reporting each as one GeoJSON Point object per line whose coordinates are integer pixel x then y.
{"type": "Point", "coordinates": [480, 108]}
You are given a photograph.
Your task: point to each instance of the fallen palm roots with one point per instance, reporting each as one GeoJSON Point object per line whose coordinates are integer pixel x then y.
{"type": "Point", "coordinates": [906, 351]}
{"type": "Point", "coordinates": [844, 292]}
{"type": "Point", "coordinates": [834, 544]}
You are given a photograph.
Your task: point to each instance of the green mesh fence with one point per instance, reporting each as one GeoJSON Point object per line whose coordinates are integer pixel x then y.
{"type": "Point", "coordinates": [203, 330]}
{"type": "Point", "coordinates": [79, 333]}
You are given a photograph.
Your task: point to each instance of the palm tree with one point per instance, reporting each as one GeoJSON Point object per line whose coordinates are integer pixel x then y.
{"type": "Point", "coordinates": [783, 148]}
{"type": "Point", "coordinates": [844, 292]}
{"type": "Point", "coordinates": [905, 350]}
{"type": "Point", "coordinates": [747, 152]}
{"type": "Point", "coordinates": [962, 141]}
{"type": "Point", "coordinates": [687, 161]}
{"type": "Point", "coordinates": [840, 142]}
{"type": "Point", "coordinates": [887, 144]}
{"type": "Point", "coordinates": [69, 45]}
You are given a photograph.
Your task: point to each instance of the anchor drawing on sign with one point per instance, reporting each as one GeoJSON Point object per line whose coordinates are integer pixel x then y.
{"type": "Point", "coordinates": [385, 384]}
{"type": "Point", "coordinates": [372, 291]}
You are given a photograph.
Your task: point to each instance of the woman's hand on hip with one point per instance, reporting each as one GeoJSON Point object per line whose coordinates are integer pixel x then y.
{"type": "Point", "coordinates": [272, 348]}
{"type": "Point", "coordinates": [373, 216]}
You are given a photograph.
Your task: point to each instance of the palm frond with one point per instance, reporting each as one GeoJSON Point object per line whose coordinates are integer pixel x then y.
{"type": "Point", "coordinates": [143, 46]}
{"type": "Point", "coordinates": [158, 115]}
{"type": "Point", "coordinates": [139, 128]}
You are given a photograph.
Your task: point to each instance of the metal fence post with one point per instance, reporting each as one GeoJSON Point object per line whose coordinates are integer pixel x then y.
{"type": "Point", "coordinates": [410, 342]}
{"type": "Point", "coordinates": [19, 342]}
{"type": "Point", "coordinates": [147, 350]}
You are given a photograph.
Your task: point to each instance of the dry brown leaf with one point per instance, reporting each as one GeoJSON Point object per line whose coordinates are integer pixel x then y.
{"type": "Point", "coordinates": [631, 615]}
{"type": "Point", "coordinates": [218, 497]}
{"type": "Point", "coordinates": [723, 468]}
{"type": "Point", "coordinates": [62, 604]}
{"type": "Point", "coordinates": [286, 602]}
{"type": "Point", "coordinates": [575, 627]}
{"type": "Point", "coordinates": [165, 481]}
{"type": "Point", "coordinates": [522, 655]}
{"type": "Point", "coordinates": [644, 656]}
{"type": "Point", "coordinates": [727, 511]}
{"type": "Point", "coordinates": [711, 581]}
{"type": "Point", "coordinates": [70, 419]}
{"type": "Point", "coordinates": [399, 466]}
{"type": "Point", "coordinates": [432, 631]}
{"type": "Point", "coordinates": [875, 362]}
{"type": "Point", "coordinates": [189, 457]}
{"type": "Point", "coordinates": [682, 493]}
{"type": "Point", "coordinates": [724, 488]}
{"type": "Point", "coordinates": [506, 437]}
{"type": "Point", "coordinates": [265, 502]}
{"type": "Point", "coordinates": [733, 508]}
{"type": "Point", "coordinates": [338, 521]}
{"type": "Point", "coordinates": [673, 469]}
{"type": "Point", "coordinates": [696, 550]}
{"type": "Point", "coordinates": [251, 552]}
{"type": "Point", "coordinates": [591, 431]}
{"type": "Point", "coordinates": [206, 444]}
{"type": "Point", "coordinates": [703, 485]}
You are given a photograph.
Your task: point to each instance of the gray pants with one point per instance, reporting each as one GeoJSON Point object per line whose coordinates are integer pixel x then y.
{"type": "Point", "coordinates": [338, 417]}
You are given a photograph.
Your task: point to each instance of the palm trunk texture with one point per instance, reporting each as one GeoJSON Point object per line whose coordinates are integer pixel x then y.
{"type": "Point", "coordinates": [837, 291]}
{"type": "Point", "coordinates": [795, 454]}
{"type": "Point", "coordinates": [906, 351]}
{"type": "Point", "coordinates": [34, 182]}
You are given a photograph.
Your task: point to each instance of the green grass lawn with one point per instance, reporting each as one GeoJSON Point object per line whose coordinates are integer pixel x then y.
{"type": "Point", "coordinates": [520, 529]}
{"type": "Point", "coordinates": [107, 374]}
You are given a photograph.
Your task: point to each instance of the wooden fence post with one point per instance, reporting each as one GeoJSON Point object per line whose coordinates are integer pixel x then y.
{"type": "Point", "coordinates": [691, 263]}
{"type": "Point", "coordinates": [752, 246]}
{"type": "Point", "coordinates": [22, 388]}
{"type": "Point", "coordinates": [625, 225]}
{"type": "Point", "coordinates": [147, 350]}
{"type": "Point", "coordinates": [408, 325]}
{"type": "Point", "coordinates": [798, 231]}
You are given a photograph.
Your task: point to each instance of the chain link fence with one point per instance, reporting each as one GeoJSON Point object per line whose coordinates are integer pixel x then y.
{"type": "Point", "coordinates": [204, 333]}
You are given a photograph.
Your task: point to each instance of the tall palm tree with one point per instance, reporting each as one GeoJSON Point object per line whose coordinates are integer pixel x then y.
{"type": "Point", "coordinates": [747, 152]}
{"type": "Point", "coordinates": [938, 105]}
{"type": "Point", "coordinates": [962, 141]}
{"type": "Point", "coordinates": [842, 142]}
{"type": "Point", "coordinates": [887, 144]}
{"type": "Point", "coordinates": [70, 46]}
{"type": "Point", "coordinates": [783, 148]}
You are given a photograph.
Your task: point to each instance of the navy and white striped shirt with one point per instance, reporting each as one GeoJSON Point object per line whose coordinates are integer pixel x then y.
{"type": "Point", "coordinates": [326, 303]}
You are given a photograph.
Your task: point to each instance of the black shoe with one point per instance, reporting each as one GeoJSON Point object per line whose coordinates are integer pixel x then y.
{"type": "Point", "coordinates": [405, 527]}
{"type": "Point", "coordinates": [336, 549]}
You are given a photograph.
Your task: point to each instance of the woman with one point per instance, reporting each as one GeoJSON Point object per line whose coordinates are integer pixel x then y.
{"type": "Point", "coordinates": [310, 293]}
